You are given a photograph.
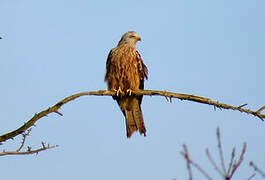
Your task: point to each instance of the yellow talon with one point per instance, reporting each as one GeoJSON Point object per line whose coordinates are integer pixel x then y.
{"type": "Point", "coordinates": [129, 91]}
{"type": "Point", "coordinates": [119, 91]}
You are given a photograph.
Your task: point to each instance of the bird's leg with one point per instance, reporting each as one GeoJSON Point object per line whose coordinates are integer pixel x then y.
{"type": "Point", "coordinates": [129, 91]}
{"type": "Point", "coordinates": [119, 91]}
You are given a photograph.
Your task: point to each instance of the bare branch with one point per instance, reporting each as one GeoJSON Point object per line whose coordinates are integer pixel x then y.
{"type": "Point", "coordinates": [251, 163]}
{"type": "Point", "coordinates": [231, 160]}
{"type": "Point", "coordinates": [29, 151]}
{"type": "Point", "coordinates": [170, 95]}
{"type": "Point", "coordinates": [242, 105]}
{"type": "Point", "coordinates": [202, 100]}
{"type": "Point", "coordinates": [58, 113]}
{"type": "Point", "coordinates": [260, 109]}
{"type": "Point", "coordinates": [237, 164]}
{"type": "Point", "coordinates": [186, 156]}
{"type": "Point", "coordinates": [213, 162]}
{"type": "Point", "coordinates": [221, 155]}
{"type": "Point", "coordinates": [252, 176]}
{"type": "Point", "coordinates": [233, 165]}
{"type": "Point", "coordinates": [24, 136]}
{"type": "Point", "coordinates": [190, 162]}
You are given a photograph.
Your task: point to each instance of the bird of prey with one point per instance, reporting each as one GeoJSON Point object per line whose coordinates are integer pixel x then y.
{"type": "Point", "coordinates": [125, 72]}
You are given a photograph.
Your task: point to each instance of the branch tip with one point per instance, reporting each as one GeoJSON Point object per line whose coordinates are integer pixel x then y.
{"type": "Point", "coordinates": [43, 144]}
{"type": "Point", "coordinates": [57, 112]}
{"type": "Point", "coordinates": [242, 105]}
{"type": "Point", "coordinates": [260, 109]}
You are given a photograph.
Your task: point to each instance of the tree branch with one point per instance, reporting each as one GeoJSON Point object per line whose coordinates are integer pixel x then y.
{"type": "Point", "coordinates": [29, 150]}
{"type": "Point", "coordinates": [24, 137]}
{"type": "Point", "coordinates": [186, 156]}
{"type": "Point", "coordinates": [170, 95]}
{"type": "Point", "coordinates": [251, 163]}
{"type": "Point", "coordinates": [226, 174]}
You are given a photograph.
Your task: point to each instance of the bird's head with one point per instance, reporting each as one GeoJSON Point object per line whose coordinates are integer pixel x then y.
{"type": "Point", "coordinates": [130, 38]}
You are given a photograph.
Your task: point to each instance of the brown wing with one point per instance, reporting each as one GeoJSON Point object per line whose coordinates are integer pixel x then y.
{"type": "Point", "coordinates": [143, 73]}
{"type": "Point", "coordinates": [108, 68]}
{"type": "Point", "coordinates": [142, 67]}
{"type": "Point", "coordinates": [111, 72]}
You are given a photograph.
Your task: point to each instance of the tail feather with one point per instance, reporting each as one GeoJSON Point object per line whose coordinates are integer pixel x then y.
{"type": "Point", "coordinates": [133, 115]}
{"type": "Point", "coordinates": [138, 118]}
{"type": "Point", "coordinates": [134, 122]}
{"type": "Point", "coordinates": [130, 123]}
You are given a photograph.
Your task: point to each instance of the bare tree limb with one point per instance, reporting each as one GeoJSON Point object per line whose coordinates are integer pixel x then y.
{"type": "Point", "coordinates": [252, 176]}
{"type": "Point", "coordinates": [237, 163]}
{"type": "Point", "coordinates": [231, 161]}
{"type": "Point", "coordinates": [186, 156]}
{"type": "Point", "coordinates": [251, 163]}
{"type": "Point", "coordinates": [220, 150]}
{"type": "Point", "coordinates": [170, 95]}
{"type": "Point", "coordinates": [226, 174]}
{"type": "Point", "coordinates": [24, 136]}
{"type": "Point", "coordinates": [29, 150]}
{"type": "Point", "coordinates": [209, 156]}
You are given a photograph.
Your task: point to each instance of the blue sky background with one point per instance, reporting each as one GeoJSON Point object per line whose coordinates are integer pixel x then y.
{"type": "Point", "coordinates": [52, 49]}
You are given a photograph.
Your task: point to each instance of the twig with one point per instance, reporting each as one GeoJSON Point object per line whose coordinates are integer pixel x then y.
{"type": "Point", "coordinates": [24, 136]}
{"type": "Point", "coordinates": [57, 106]}
{"type": "Point", "coordinates": [260, 109]}
{"type": "Point", "coordinates": [233, 165]}
{"type": "Point", "coordinates": [29, 151]}
{"type": "Point", "coordinates": [242, 105]}
{"type": "Point", "coordinates": [252, 176]}
{"type": "Point", "coordinates": [221, 155]}
{"type": "Point", "coordinates": [251, 163]}
{"type": "Point", "coordinates": [185, 154]}
{"type": "Point", "coordinates": [237, 164]}
{"type": "Point", "coordinates": [231, 161]}
{"type": "Point", "coordinates": [213, 162]}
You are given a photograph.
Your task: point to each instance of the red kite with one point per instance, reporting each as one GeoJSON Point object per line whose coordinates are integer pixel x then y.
{"type": "Point", "coordinates": [125, 72]}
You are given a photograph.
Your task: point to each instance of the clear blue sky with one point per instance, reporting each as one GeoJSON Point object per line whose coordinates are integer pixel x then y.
{"type": "Point", "coordinates": [52, 49]}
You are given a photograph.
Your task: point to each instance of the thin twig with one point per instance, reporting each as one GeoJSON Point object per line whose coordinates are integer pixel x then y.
{"type": "Point", "coordinates": [242, 105]}
{"type": "Point", "coordinates": [186, 156]}
{"type": "Point", "coordinates": [29, 151]}
{"type": "Point", "coordinates": [237, 164]}
{"type": "Point", "coordinates": [252, 176]}
{"type": "Point", "coordinates": [213, 162]}
{"type": "Point", "coordinates": [231, 160]}
{"type": "Point", "coordinates": [190, 162]}
{"type": "Point", "coordinates": [233, 165]}
{"type": "Point", "coordinates": [24, 136]}
{"type": "Point", "coordinates": [221, 155]}
{"type": "Point", "coordinates": [260, 109]}
{"type": "Point", "coordinates": [57, 106]}
{"type": "Point", "coordinates": [251, 163]}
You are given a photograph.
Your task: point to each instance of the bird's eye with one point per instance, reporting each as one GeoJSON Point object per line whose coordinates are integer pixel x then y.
{"type": "Point", "coordinates": [132, 36]}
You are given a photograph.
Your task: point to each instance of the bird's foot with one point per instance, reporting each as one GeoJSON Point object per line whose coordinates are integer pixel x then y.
{"type": "Point", "coordinates": [129, 91]}
{"type": "Point", "coordinates": [118, 92]}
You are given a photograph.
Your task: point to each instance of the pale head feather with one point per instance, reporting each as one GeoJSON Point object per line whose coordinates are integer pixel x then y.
{"type": "Point", "coordinates": [129, 38]}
